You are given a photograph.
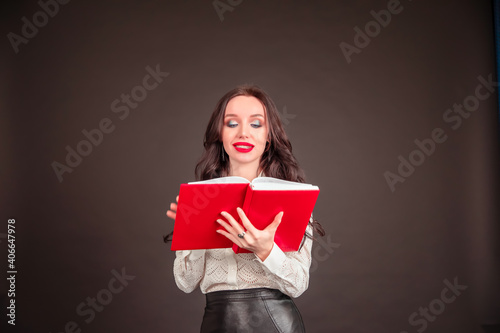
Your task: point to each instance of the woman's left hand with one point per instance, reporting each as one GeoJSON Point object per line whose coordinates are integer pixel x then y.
{"type": "Point", "coordinates": [258, 241]}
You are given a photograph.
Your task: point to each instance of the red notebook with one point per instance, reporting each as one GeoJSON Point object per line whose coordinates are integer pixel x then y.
{"type": "Point", "coordinates": [200, 204]}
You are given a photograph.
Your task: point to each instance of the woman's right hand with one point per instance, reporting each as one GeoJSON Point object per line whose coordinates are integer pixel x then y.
{"type": "Point", "coordinates": [172, 212]}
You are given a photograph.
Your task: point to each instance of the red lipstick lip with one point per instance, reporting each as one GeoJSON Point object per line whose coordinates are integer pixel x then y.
{"type": "Point", "coordinates": [243, 150]}
{"type": "Point", "coordinates": [243, 144]}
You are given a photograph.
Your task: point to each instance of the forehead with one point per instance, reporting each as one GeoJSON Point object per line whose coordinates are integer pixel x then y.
{"type": "Point", "coordinates": [244, 106]}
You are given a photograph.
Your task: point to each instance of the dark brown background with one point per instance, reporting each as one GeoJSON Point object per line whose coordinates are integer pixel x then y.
{"type": "Point", "coordinates": [351, 123]}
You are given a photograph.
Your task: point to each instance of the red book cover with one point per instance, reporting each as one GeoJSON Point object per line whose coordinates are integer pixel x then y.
{"type": "Point", "coordinates": [200, 204]}
{"type": "Point", "coordinates": [297, 206]}
{"type": "Point", "coordinates": [245, 207]}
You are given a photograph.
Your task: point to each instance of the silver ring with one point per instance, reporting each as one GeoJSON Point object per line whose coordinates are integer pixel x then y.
{"type": "Point", "coordinates": [241, 235]}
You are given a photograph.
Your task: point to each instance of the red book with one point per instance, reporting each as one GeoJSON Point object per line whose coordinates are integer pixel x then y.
{"type": "Point", "coordinates": [200, 205]}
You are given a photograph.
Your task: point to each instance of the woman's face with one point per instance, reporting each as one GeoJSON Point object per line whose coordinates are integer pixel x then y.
{"type": "Point", "coordinates": [245, 131]}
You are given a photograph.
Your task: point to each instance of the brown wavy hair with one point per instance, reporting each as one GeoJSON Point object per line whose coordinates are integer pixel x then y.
{"type": "Point", "coordinates": [277, 160]}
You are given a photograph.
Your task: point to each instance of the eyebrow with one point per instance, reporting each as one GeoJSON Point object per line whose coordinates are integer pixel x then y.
{"type": "Point", "coordinates": [235, 115]}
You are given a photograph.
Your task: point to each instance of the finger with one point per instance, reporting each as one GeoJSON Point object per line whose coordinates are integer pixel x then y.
{"type": "Point", "coordinates": [171, 214]}
{"type": "Point", "coordinates": [226, 226]}
{"type": "Point", "coordinates": [231, 237]}
{"type": "Point", "coordinates": [173, 207]}
{"type": "Point", "coordinates": [177, 198]}
{"type": "Point", "coordinates": [237, 227]}
{"type": "Point", "coordinates": [244, 219]}
{"type": "Point", "coordinates": [276, 222]}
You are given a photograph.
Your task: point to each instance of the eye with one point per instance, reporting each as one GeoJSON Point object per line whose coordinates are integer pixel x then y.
{"type": "Point", "coordinates": [256, 124]}
{"type": "Point", "coordinates": [231, 123]}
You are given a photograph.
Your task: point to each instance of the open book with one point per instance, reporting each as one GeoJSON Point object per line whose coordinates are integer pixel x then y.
{"type": "Point", "coordinates": [200, 204]}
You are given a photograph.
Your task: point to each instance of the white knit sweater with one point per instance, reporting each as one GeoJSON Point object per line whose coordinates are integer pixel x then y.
{"type": "Point", "coordinates": [222, 269]}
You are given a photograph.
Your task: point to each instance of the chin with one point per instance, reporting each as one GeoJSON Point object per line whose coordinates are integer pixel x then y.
{"type": "Point", "coordinates": [244, 160]}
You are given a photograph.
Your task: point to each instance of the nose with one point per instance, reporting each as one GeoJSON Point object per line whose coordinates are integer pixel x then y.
{"type": "Point", "coordinates": [242, 131]}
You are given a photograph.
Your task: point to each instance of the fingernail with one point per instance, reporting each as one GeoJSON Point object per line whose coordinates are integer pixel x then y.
{"type": "Point", "coordinates": [238, 209]}
{"type": "Point", "coordinates": [223, 213]}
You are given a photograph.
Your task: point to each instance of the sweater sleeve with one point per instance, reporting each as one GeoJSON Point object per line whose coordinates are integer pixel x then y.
{"type": "Point", "coordinates": [290, 269]}
{"type": "Point", "coordinates": [189, 269]}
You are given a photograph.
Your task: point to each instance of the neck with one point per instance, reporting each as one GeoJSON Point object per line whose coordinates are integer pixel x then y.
{"type": "Point", "coordinates": [248, 172]}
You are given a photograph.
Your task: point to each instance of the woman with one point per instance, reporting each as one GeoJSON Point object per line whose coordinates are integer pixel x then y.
{"type": "Point", "coordinates": [247, 292]}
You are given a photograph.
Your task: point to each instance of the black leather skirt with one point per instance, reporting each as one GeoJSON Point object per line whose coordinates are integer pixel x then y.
{"type": "Point", "coordinates": [251, 310]}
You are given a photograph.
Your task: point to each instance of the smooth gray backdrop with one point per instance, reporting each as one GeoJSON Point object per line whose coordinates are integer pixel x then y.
{"type": "Point", "coordinates": [386, 254]}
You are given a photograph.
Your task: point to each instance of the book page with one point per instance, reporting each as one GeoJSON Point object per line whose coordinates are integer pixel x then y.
{"type": "Point", "coordinates": [223, 180]}
{"type": "Point", "coordinates": [271, 183]}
